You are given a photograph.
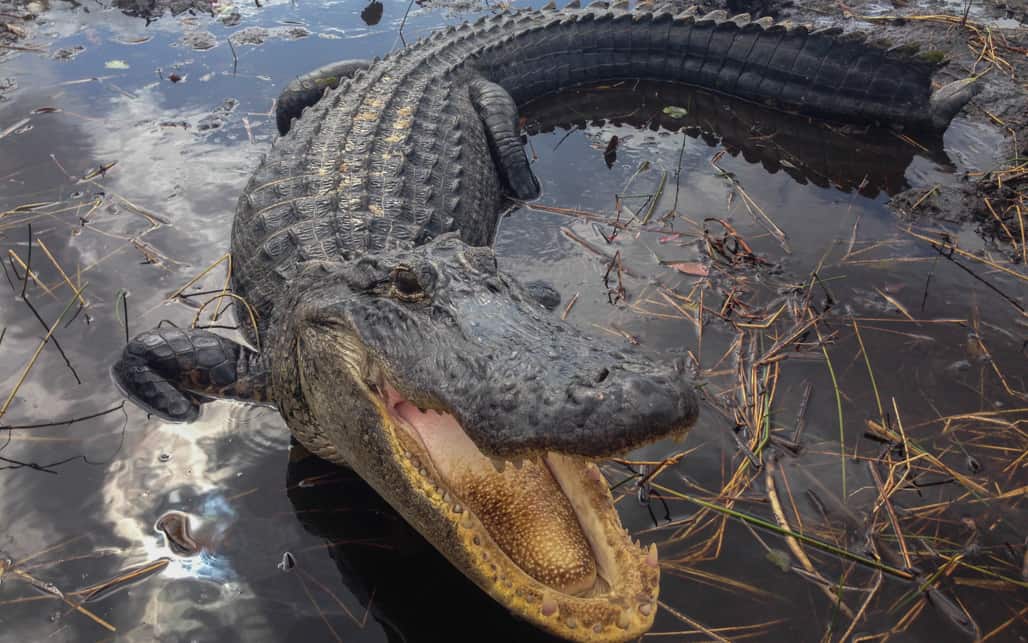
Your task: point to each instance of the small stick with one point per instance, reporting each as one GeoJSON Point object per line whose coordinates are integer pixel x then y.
{"type": "Point", "coordinates": [870, 372]}
{"type": "Point", "coordinates": [53, 260]}
{"type": "Point", "coordinates": [39, 349]}
{"type": "Point", "coordinates": [224, 290]}
{"type": "Point", "coordinates": [57, 344]}
{"type": "Point", "coordinates": [924, 196]}
{"type": "Point", "coordinates": [656, 197]}
{"type": "Point", "coordinates": [949, 246]}
{"type": "Point", "coordinates": [692, 623]}
{"type": "Point", "coordinates": [7, 132]}
{"type": "Point", "coordinates": [235, 58]}
{"type": "Point", "coordinates": [863, 606]}
{"type": "Point", "coordinates": [794, 545]}
{"type": "Point", "coordinates": [249, 309]}
{"type": "Point", "coordinates": [403, 22]}
{"type": "Point", "coordinates": [801, 414]}
{"type": "Point", "coordinates": [853, 240]}
{"type": "Point", "coordinates": [1024, 246]}
{"type": "Point", "coordinates": [46, 425]}
{"type": "Point", "coordinates": [153, 219]}
{"type": "Point", "coordinates": [1010, 235]}
{"type": "Point", "coordinates": [927, 283]}
{"type": "Point", "coordinates": [200, 276]}
{"type": "Point", "coordinates": [567, 309]}
{"type": "Point", "coordinates": [29, 273]}
{"type": "Point", "coordinates": [52, 590]}
{"type": "Point", "coordinates": [883, 501]}
{"type": "Point", "coordinates": [127, 576]}
{"type": "Point", "coordinates": [614, 295]}
{"type": "Point", "coordinates": [249, 130]}
{"type": "Point", "coordinates": [838, 404]}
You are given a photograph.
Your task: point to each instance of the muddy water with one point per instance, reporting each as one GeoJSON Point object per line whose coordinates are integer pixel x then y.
{"type": "Point", "coordinates": [185, 127]}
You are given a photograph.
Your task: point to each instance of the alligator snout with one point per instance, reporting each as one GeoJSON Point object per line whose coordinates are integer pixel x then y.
{"type": "Point", "coordinates": [622, 409]}
{"type": "Point", "coordinates": [592, 410]}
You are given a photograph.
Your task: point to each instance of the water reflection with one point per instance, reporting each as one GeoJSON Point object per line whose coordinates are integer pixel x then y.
{"type": "Point", "coordinates": [847, 159]}
{"type": "Point", "coordinates": [395, 575]}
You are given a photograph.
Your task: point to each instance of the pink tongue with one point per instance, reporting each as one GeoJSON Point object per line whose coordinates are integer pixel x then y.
{"type": "Point", "coordinates": [525, 510]}
{"type": "Point", "coordinates": [451, 449]}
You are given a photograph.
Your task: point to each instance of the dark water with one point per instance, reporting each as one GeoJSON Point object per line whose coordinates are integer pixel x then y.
{"type": "Point", "coordinates": [80, 502]}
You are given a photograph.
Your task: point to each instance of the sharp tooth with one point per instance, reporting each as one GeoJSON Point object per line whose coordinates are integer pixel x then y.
{"type": "Point", "coordinates": [518, 463]}
{"type": "Point", "coordinates": [624, 621]}
{"type": "Point", "coordinates": [549, 606]}
{"type": "Point", "coordinates": [498, 464]}
{"type": "Point", "coordinates": [651, 556]}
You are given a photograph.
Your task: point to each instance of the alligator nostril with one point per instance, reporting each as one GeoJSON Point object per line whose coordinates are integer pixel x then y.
{"type": "Point", "coordinates": [602, 375]}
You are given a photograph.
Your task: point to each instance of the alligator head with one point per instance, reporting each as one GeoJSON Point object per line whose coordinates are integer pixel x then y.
{"type": "Point", "coordinates": [477, 414]}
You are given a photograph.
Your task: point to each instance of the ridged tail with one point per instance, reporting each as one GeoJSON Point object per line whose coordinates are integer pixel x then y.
{"type": "Point", "coordinates": [822, 72]}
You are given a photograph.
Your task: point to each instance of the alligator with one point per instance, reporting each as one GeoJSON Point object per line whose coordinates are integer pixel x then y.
{"type": "Point", "coordinates": [391, 342]}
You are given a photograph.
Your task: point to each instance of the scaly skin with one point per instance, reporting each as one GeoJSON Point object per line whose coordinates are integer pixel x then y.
{"type": "Point", "coordinates": [398, 155]}
{"type": "Point", "coordinates": [360, 245]}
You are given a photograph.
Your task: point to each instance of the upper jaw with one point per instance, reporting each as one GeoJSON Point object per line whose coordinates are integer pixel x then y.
{"type": "Point", "coordinates": [625, 412]}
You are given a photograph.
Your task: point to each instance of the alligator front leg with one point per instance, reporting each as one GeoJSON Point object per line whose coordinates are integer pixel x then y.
{"type": "Point", "coordinates": [169, 372]}
{"type": "Point", "coordinates": [309, 88]}
{"type": "Point", "coordinates": [499, 114]}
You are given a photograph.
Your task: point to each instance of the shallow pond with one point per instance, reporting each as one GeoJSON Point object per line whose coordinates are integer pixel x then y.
{"type": "Point", "coordinates": [862, 377]}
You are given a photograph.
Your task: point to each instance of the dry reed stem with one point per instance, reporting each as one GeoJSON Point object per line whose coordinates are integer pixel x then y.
{"type": "Point", "coordinates": [997, 630]}
{"type": "Point", "coordinates": [127, 576]}
{"type": "Point", "coordinates": [56, 593]}
{"type": "Point", "coordinates": [950, 246]}
{"type": "Point", "coordinates": [885, 492]}
{"type": "Point", "coordinates": [30, 273]}
{"type": "Point", "coordinates": [203, 273]}
{"type": "Point", "coordinates": [794, 545]}
{"type": "Point", "coordinates": [39, 349]}
{"type": "Point", "coordinates": [251, 313]}
{"type": "Point", "coordinates": [877, 584]}
{"type": "Point", "coordinates": [692, 623]}
{"type": "Point", "coordinates": [57, 265]}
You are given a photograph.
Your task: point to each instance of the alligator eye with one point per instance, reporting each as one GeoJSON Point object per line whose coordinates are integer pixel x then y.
{"type": "Point", "coordinates": [406, 284]}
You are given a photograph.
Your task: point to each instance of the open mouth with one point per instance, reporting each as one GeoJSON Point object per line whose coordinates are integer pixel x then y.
{"type": "Point", "coordinates": [541, 534]}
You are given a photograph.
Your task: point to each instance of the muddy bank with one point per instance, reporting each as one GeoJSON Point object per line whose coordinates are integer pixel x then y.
{"type": "Point", "coordinates": [990, 42]}
{"type": "Point", "coordinates": [17, 24]}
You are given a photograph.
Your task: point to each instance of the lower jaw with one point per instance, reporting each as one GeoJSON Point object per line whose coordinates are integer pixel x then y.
{"type": "Point", "coordinates": [620, 603]}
